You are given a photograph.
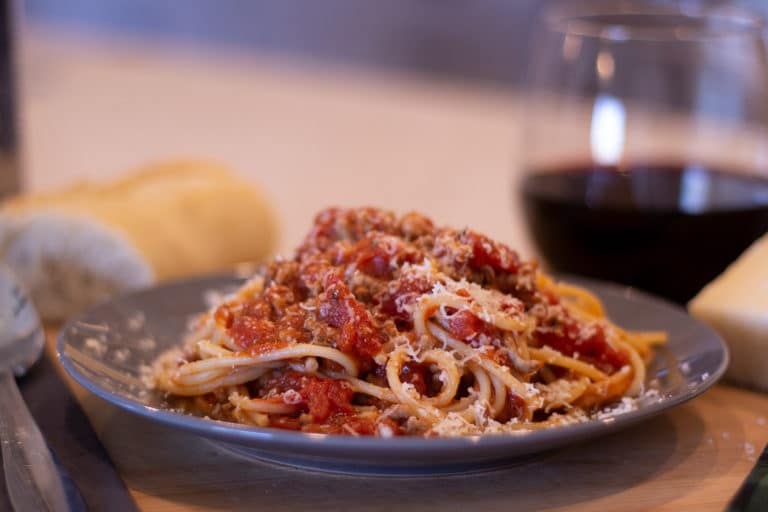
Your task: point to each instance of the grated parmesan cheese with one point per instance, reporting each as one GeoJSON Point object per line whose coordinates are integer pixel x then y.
{"type": "Point", "coordinates": [410, 389]}
{"type": "Point", "coordinates": [385, 431]}
{"type": "Point", "coordinates": [749, 450]}
{"type": "Point", "coordinates": [135, 322]}
{"type": "Point", "coordinates": [146, 344]}
{"type": "Point", "coordinates": [626, 405]}
{"type": "Point", "coordinates": [121, 355]}
{"type": "Point", "coordinates": [96, 346]}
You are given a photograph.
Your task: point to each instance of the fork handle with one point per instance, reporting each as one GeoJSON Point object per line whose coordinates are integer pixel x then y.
{"type": "Point", "coordinates": [30, 474]}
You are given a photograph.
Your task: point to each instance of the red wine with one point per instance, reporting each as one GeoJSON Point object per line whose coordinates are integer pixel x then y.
{"type": "Point", "coordinates": [667, 229]}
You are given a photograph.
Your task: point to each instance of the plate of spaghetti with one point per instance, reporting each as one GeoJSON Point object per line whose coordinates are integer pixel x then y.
{"type": "Point", "coordinates": [388, 342]}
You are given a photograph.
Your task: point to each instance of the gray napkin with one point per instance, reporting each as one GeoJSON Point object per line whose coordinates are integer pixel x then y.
{"type": "Point", "coordinates": [74, 444]}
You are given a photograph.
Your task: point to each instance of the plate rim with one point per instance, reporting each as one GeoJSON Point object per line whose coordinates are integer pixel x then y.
{"type": "Point", "coordinates": [373, 445]}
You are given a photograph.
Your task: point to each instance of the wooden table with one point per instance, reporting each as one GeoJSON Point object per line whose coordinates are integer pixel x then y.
{"type": "Point", "coordinates": [312, 138]}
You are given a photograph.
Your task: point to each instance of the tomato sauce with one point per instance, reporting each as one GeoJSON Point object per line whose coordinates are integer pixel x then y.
{"type": "Point", "coordinates": [416, 374]}
{"type": "Point", "coordinates": [339, 309]}
{"type": "Point", "coordinates": [514, 408]}
{"type": "Point", "coordinates": [320, 397]}
{"type": "Point", "coordinates": [588, 345]}
{"type": "Point", "coordinates": [248, 332]}
{"type": "Point", "coordinates": [399, 298]}
{"type": "Point", "coordinates": [488, 252]}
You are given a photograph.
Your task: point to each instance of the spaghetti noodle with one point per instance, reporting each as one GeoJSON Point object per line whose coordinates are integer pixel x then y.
{"type": "Point", "coordinates": [386, 326]}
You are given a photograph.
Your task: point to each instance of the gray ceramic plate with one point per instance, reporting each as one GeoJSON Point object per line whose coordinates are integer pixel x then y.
{"type": "Point", "coordinates": [105, 348]}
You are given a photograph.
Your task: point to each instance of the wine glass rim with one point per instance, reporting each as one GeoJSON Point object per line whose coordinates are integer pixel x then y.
{"type": "Point", "coordinates": [649, 21]}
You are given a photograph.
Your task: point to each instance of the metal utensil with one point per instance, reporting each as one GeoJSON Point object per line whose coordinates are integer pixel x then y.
{"type": "Point", "coordinates": [31, 477]}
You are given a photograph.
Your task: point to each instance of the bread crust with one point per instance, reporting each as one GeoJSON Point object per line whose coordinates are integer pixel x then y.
{"type": "Point", "coordinates": [76, 246]}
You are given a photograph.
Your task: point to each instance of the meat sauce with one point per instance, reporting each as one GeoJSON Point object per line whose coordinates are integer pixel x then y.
{"type": "Point", "coordinates": [347, 287]}
{"type": "Point", "coordinates": [320, 397]}
{"type": "Point", "coordinates": [358, 335]}
{"type": "Point", "coordinates": [590, 346]}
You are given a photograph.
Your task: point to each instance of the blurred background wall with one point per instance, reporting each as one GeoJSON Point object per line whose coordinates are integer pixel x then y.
{"type": "Point", "coordinates": [482, 40]}
{"type": "Point", "coordinates": [441, 99]}
{"type": "Point", "coordinates": [479, 40]}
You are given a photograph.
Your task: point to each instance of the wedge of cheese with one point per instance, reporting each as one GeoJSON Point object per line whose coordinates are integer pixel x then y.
{"type": "Point", "coordinates": [77, 246]}
{"type": "Point", "coordinates": [736, 306]}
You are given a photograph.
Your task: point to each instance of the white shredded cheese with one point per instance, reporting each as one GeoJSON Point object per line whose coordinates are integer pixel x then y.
{"type": "Point", "coordinates": [385, 431]}
{"type": "Point", "coordinates": [97, 347]}
{"type": "Point", "coordinates": [121, 355]}
{"type": "Point", "coordinates": [146, 344]}
{"type": "Point", "coordinates": [135, 322]}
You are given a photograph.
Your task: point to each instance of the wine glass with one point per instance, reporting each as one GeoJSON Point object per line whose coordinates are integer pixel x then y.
{"type": "Point", "coordinates": [645, 158]}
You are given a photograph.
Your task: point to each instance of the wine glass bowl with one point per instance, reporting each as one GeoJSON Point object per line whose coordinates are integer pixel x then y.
{"type": "Point", "coordinates": [645, 157]}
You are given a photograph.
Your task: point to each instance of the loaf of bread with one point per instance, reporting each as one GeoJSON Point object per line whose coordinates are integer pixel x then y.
{"type": "Point", "coordinates": [736, 306]}
{"type": "Point", "coordinates": [77, 246]}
